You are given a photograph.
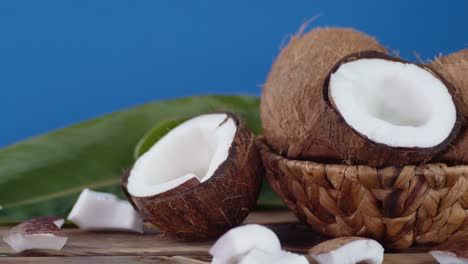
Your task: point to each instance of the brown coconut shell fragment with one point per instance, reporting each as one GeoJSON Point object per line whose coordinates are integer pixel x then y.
{"type": "Point", "coordinates": [292, 106]}
{"type": "Point", "coordinates": [454, 67]}
{"type": "Point", "coordinates": [356, 148]}
{"type": "Point", "coordinates": [198, 211]}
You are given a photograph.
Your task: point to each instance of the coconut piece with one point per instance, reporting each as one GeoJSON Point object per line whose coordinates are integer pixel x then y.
{"type": "Point", "coordinates": [385, 111]}
{"type": "Point", "coordinates": [37, 233]}
{"type": "Point", "coordinates": [256, 256]}
{"type": "Point", "coordinates": [104, 211]}
{"type": "Point", "coordinates": [454, 251]}
{"type": "Point", "coordinates": [200, 179]}
{"type": "Point", "coordinates": [348, 250]}
{"type": "Point", "coordinates": [292, 105]}
{"type": "Point", "coordinates": [454, 68]}
{"type": "Point", "coordinates": [237, 242]}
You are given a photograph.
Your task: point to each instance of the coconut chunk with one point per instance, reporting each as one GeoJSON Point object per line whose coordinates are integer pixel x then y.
{"type": "Point", "coordinates": [348, 250]}
{"type": "Point", "coordinates": [240, 240]}
{"type": "Point", "coordinates": [37, 233]}
{"type": "Point", "coordinates": [454, 251]}
{"type": "Point", "coordinates": [104, 211]}
{"type": "Point", "coordinates": [256, 256]}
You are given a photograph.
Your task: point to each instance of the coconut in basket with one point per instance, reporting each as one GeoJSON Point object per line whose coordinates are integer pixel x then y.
{"type": "Point", "coordinates": [352, 136]}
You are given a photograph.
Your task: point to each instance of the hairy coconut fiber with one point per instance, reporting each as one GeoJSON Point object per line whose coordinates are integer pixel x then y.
{"type": "Point", "coordinates": [292, 105]}
{"type": "Point", "coordinates": [355, 148]}
{"type": "Point", "coordinates": [454, 68]}
{"type": "Point", "coordinates": [396, 205]}
{"type": "Point", "coordinates": [197, 211]}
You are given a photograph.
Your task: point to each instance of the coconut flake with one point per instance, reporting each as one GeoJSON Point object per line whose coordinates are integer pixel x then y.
{"type": "Point", "coordinates": [195, 148]}
{"type": "Point", "coordinates": [393, 103]}
{"type": "Point", "coordinates": [104, 211]}
{"type": "Point", "coordinates": [237, 242]}
{"type": "Point", "coordinates": [348, 250]}
{"type": "Point", "coordinates": [37, 233]}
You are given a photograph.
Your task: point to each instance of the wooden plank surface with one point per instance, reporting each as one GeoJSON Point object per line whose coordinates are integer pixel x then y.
{"type": "Point", "coordinates": [153, 247]}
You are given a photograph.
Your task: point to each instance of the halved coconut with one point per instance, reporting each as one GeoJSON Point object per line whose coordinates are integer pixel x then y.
{"type": "Point", "coordinates": [200, 179]}
{"type": "Point", "coordinates": [37, 233]}
{"type": "Point", "coordinates": [348, 250]}
{"type": "Point", "coordinates": [292, 105]}
{"type": "Point", "coordinates": [385, 111]}
{"type": "Point", "coordinates": [454, 67]}
{"type": "Point", "coordinates": [454, 251]}
{"type": "Point", "coordinates": [104, 211]}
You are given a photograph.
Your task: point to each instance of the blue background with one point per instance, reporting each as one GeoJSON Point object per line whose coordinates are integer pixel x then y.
{"type": "Point", "coordinates": [66, 61]}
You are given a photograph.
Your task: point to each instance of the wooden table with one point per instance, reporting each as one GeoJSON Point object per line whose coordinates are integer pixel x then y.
{"type": "Point", "coordinates": [153, 247]}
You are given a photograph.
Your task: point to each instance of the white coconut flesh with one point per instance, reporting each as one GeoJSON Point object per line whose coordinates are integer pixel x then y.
{"type": "Point", "coordinates": [362, 250]}
{"type": "Point", "coordinates": [21, 239]}
{"type": "Point", "coordinates": [239, 241]}
{"type": "Point", "coordinates": [256, 256]}
{"type": "Point", "coordinates": [104, 211]}
{"type": "Point", "coordinates": [194, 149]}
{"type": "Point", "coordinates": [393, 103]}
{"type": "Point", "coordinates": [445, 257]}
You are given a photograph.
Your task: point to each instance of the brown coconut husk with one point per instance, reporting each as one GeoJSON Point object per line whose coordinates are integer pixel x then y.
{"type": "Point", "coordinates": [356, 148]}
{"type": "Point", "coordinates": [396, 205]}
{"type": "Point", "coordinates": [292, 105]}
{"type": "Point", "coordinates": [454, 67]}
{"type": "Point", "coordinates": [198, 211]}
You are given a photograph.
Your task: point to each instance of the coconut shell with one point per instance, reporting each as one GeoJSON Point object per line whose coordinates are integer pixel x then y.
{"type": "Point", "coordinates": [454, 67]}
{"type": "Point", "coordinates": [292, 105]}
{"type": "Point", "coordinates": [198, 211]}
{"type": "Point", "coordinates": [332, 244]}
{"type": "Point", "coordinates": [457, 246]}
{"type": "Point", "coordinates": [356, 148]}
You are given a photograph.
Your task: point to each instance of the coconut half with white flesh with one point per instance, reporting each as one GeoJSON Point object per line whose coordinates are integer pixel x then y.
{"type": "Point", "coordinates": [104, 211]}
{"type": "Point", "coordinates": [200, 179]}
{"type": "Point", "coordinates": [37, 233]}
{"type": "Point", "coordinates": [385, 111]}
{"type": "Point", "coordinates": [454, 251]}
{"type": "Point", "coordinates": [348, 250]}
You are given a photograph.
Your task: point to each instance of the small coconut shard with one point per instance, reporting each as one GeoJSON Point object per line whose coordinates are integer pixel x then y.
{"type": "Point", "coordinates": [454, 68]}
{"type": "Point", "coordinates": [348, 250]}
{"type": "Point", "coordinates": [200, 179]}
{"type": "Point", "coordinates": [292, 105]}
{"type": "Point", "coordinates": [257, 256]}
{"type": "Point", "coordinates": [104, 211]}
{"type": "Point", "coordinates": [37, 233]}
{"type": "Point", "coordinates": [237, 242]}
{"type": "Point", "coordinates": [386, 111]}
{"type": "Point", "coordinates": [454, 251]}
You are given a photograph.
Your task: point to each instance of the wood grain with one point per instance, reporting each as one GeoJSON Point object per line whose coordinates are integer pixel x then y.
{"type": "Point", "coordinates": [154, 247]}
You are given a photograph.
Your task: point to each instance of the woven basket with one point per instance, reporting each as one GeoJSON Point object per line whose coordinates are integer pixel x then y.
{"type": "Point", "coordinates": [397, 206]}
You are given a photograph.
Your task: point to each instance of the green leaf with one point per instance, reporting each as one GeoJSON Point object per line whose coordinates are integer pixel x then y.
{"type": "Point", "coordinates": [44, 175]}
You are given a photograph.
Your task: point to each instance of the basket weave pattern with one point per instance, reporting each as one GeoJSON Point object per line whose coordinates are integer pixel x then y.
{"type": "Point", "coordinates": [397, 206]}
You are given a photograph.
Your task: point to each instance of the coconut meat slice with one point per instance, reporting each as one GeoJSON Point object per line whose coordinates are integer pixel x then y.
{"type": "Point", "coordinates": [445, 257]}
{"type": "Point", "coordinates": [104, 211]}
{"type": "Point", "coordinates": [194, 149]}
{"type": "Point", "coordinates": [239, 241]}
{"type": "Point", "coordinates": [348, 250]}
{"type": "Point", "coordinates": [37, 233]}
{"type": "Point", "coordinates": [393, 103]}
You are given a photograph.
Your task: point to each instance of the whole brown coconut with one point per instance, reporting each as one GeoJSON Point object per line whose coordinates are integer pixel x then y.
{"type": "Point", "coordinates": [201, 209]}
{"type": "Point", "coordinates": [333, 95]}
{"type": "Point", "coordinates": [292, 105]}
{"type": "Point", "coordinates": [454, 67]}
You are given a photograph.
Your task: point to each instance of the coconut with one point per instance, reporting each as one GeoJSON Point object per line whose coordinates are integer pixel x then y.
{"type": "Point", "coordinates": [382, 110]}
{"type": "Point", "coordinates": [37, 233]}
{"type": "Point", "coordinates": [199, 180]}
{"type": "Point", "coordinates": [292, 105]}
{"type": "Point", "coordinates": [454, 251]}
{"type": "Point", "coordinates": [333, 95]}
{"type": "Point", "coordinates": [454, 67]}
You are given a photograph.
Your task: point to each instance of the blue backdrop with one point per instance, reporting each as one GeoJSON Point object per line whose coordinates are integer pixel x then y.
{"type": "Point", "coordinates": [66, 61]}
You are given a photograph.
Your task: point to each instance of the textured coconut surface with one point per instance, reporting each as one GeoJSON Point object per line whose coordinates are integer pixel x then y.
{"type": "Point", "coordinates": [154, 247]}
